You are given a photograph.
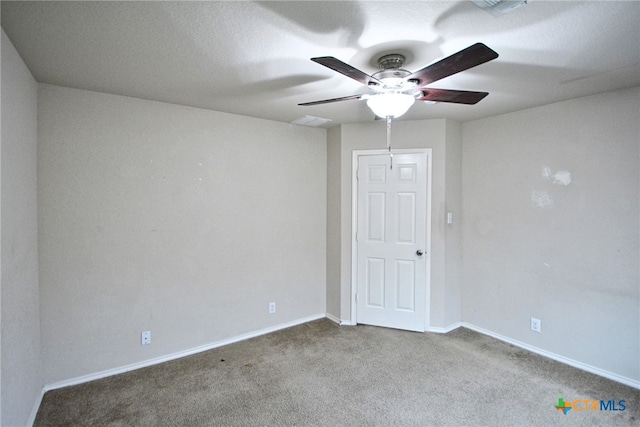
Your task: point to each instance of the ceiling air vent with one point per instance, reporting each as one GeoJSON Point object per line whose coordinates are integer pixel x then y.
{"type": "Point", "coordinates": [310, 121]}
{"type": "Point", "coordinates": [499, 7]}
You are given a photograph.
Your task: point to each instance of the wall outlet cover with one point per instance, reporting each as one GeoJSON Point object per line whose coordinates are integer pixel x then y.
{"type": "Point", "coordinates": [536, 325]}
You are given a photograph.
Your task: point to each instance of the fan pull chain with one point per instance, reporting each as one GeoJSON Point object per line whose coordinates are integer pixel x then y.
{"type": "Point", "coordinates": [389, 142]}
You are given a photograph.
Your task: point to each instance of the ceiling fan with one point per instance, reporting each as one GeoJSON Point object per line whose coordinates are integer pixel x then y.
{"type": "Point", "coordinates": [395, 89]}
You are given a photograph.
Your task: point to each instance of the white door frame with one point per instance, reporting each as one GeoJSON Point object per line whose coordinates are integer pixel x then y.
{"type": "Point", "coordinates": [354, 226]}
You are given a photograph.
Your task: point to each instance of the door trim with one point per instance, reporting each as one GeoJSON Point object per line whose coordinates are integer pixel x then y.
{"type": "Point", "coordinates": [354, 226]}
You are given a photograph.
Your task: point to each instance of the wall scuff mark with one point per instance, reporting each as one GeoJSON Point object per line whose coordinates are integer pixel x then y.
{"type": "Point", "coordinates": [541, 199]}
{"type": "Point", "coordinates": [559, 178]}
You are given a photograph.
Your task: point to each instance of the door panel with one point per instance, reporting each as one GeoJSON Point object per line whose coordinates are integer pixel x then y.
{"type": "Point", "coordinates": [406, 218]}
{"type": "Point", "coordinates": [391, 228]}
{"type": "Point", "coordinates": [405, 280]}
{"type": "Point", "coordinates": [375, 282]}
{"type": "Point", "coordinates": [376, 204]}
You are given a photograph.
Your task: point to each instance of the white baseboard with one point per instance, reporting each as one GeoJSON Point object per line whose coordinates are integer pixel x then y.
{"type": "Point", "coordinates": [337, 320]}
{"type": "Point", "coordinates": [34, 410]}
{"type": "Point", "coordinates": [446, 329]}
{"type": "Point", "coordinates": [583, 366]}
{"type": "Point", "coordinates": [110, 372]}
{"type": "Point", "coordinates": [333, 318]}
{"type": "Point", "coordinates": [173, 356]}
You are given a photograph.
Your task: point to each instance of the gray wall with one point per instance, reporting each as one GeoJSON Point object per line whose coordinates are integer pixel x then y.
{"type": "Point", "coordinates": [453, 232]}
{"type": "Point", "coordinates": [182, 221]}
{"type": "Point", "coordinates": [334, 254]}
{"type": "Point", "coordinates": [21, 373]}
{"type": "Point", "coordinates": [537, 243]}
{"type": "Point", "coordinates": [405, 134]}
{"type": "Point", "coordinates": [149, 214]}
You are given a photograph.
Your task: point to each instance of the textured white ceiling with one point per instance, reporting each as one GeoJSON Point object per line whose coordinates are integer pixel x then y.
{"type": "Point", "coordinates": [252, 58]}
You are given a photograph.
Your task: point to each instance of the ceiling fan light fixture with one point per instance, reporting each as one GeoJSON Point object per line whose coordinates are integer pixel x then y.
{"type": "Point", "coordinates": [390, 104]}
{"type": "Point", "coordinates": [397, 89]}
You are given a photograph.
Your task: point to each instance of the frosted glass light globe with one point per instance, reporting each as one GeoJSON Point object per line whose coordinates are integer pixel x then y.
{"type": "Point", "coordinates": [390, 104]}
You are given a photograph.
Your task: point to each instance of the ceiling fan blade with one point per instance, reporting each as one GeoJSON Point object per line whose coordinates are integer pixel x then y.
{"type": "Point", "coordinates": [326, 101]}
{"type": "Point", "coordinates": [455, 96]}
{"type": "Point", "coordinates": [467, 58]}
{"type": "Point", "coordinates": [346, 69]}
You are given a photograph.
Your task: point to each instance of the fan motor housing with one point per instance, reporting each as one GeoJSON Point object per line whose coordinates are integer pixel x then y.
{"type": "Point", "coordinates": [392, 74]}
{"type": "Point", "coordinates": [393, 60]}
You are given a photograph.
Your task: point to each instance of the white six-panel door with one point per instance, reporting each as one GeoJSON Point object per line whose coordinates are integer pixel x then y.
{"type": "Point", "coordinates": [391, 241]}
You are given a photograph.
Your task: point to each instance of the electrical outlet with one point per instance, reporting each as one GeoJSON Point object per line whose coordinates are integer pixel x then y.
{"type": "Point", "coordinates": [272, 307]}
{"type": "Point", "coordinates": [145, 338]}
{"type": "Point", "coordinates": [535, 324]}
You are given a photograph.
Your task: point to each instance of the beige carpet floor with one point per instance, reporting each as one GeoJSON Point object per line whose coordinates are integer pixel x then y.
{"type": "Point", "coordinates": [321, 374]}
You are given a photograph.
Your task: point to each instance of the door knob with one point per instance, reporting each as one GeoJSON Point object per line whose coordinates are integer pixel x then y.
{"type": "Point", "coordinates": [419, 252]}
